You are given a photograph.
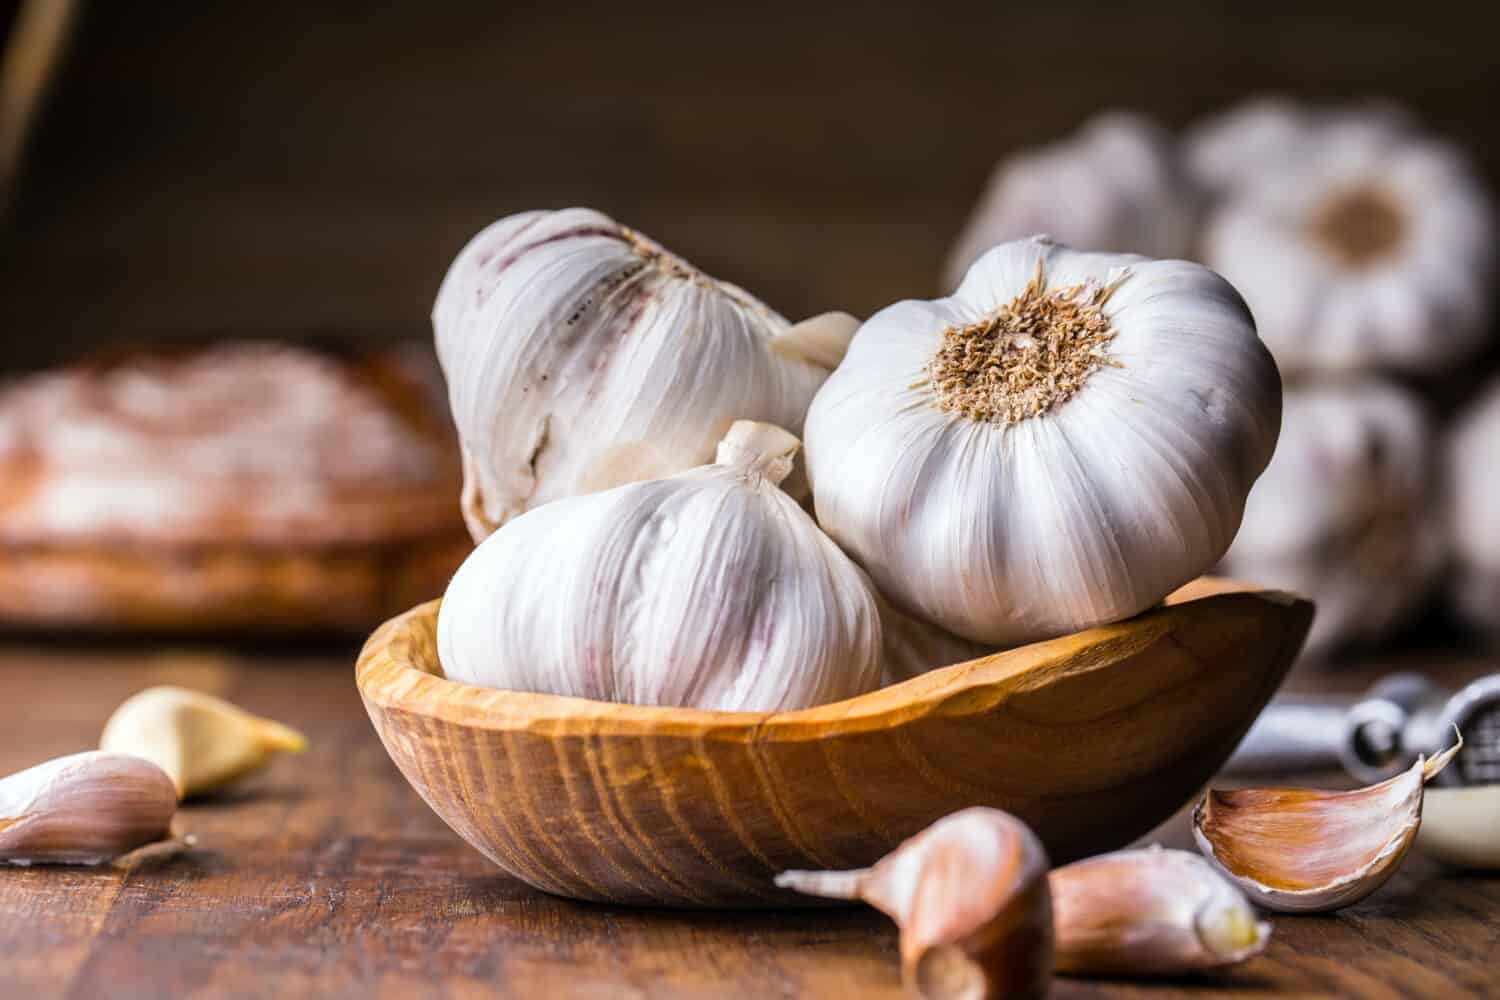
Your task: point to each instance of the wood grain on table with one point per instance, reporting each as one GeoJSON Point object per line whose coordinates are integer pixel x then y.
{"type": "Point", "coordinates": [327, 876]}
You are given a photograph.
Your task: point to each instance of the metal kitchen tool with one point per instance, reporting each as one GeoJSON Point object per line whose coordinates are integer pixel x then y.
{"type": "Point", "coordinates": [1380, 734]}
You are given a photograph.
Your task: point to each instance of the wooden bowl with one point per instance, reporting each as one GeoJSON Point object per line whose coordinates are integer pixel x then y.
{"type": "Point", "coordinates": [1092, 739]}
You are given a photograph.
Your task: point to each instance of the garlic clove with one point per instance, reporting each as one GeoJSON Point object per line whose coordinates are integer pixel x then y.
{"type": "Point", "coordinates": [200, 741]}
{"type": "Point", "coordinates": [1298, 850]}
{"type": "Point", "coordinates": [971, 898]}
{"type": "Point", "coordinates": [84, 809]}
{"type": "Point", "coordinates": [1461, 826]}
{"type": "Point", "coordinates": [821, 340]}
{"type": "Point", "coordinates": [1150, 912]}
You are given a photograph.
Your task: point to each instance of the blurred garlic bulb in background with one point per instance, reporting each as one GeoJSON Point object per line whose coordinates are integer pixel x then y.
{"type": "Point", "coordinates": [1472, 454]}
{"type": "Point", "coordinates": [1114, 184]}
{"type": "Point", "coordinates": [581, 355]}
{"type": "Point", "coordinates": [1345, 514]}
{"type": "Point", "coordinates": [1225, 150]}
{"type": "Point", "coordinates": [1062, 442]}
{"type": "Point", "coordinates": [1359, 242]}
{"type": "Point", "coordinates": [708, 589]}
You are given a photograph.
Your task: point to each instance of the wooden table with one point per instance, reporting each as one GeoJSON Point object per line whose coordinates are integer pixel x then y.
{"type": "Point", "coordinates": [326, 876]}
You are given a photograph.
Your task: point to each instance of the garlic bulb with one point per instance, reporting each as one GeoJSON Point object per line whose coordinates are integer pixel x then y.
{"type": "Point", "coordinates": [580, 355]}
{"type": "Point", "coordinates": [709, 589]}
{"type": "Point", "coordinates": [1115, 184]}
{"type": "Point", "coordinates": [1061, 443]}
{"type": "Point", "coordinates": [1472, 453]}
{"type": "Point", "coordinates": [1344, 513]}
{"type": "Point", "coordinates": [1370, 245]}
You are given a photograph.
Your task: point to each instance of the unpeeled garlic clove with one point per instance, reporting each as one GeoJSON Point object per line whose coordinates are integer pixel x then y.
{"type": "Point", "coordinates": [1298, 850]}
{"type": "Point", "coordinates": [1150, 912]}
{"type": "Point", "coordinates": [971, 898]}
{"type": "Point", "coordinates": [1461, 826]}
{"type": "Point", "coordinates": [84, 809]}
{"type": "Point", "coordinates": [200, 741]}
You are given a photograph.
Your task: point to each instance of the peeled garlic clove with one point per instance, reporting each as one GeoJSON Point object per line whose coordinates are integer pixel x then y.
{"type": "Point", "coordinates": [1298, 850]}
{"type": "Point", "coordinates": [971, 898]}
{"type": "Point", "coordinates": [200, 741]}
{"type": "Point", "coordinates": [581, 355]}
{"type": "Point", "coordinates": [1461, 826]}
{"type": "Point", "coordinates": [1150, 912]}
{"type": "Point", "coordinates": [84, 809]}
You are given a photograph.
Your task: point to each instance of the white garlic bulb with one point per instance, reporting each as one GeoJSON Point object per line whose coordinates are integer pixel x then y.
{"type": "Point", "coordinates": [1364, 244]}
{"type": "Point", "coordinates": [708, 589]}
{"type": "Point", "coordinates": [1344, 513]}
{"type": "Point", "coordinates": [581, 355]}
{"type": "Point", "coordinates": [1062, 442]}
{"type": "Point", "coordinates": [1472, 453]}
{"type": "Point", "coordinates": [1115, 184]}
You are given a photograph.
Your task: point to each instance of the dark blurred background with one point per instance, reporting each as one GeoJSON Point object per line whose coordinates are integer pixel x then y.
{"type": "Point", "coordinates": [312, 168]}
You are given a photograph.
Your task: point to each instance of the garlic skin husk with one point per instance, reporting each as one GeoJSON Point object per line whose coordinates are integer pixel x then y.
{"type": "Point", "coordinates": [970, 895]}
{"type": "Point", "coordinates": [1346, 512]}
{"type": "Point", "coordinates": [203, 743]}
{"type": "Point", "coordinates": [1470, 454]}
{"type": "Point", "coordinates": [1461, 827]}
{"type": "Point", "coordinates": [580, 355]}
{"type": "Point", "coordinates": [1114, 184]}
{"type": "Point", "coordinates": [83, 809]}
{"type": "Point", "coordinates": [1085, 508]}
{"type": "Point", "coordinates": [1297, 850]}
{"type": "Point", "coordinates": [708, 589]}
{"type": "Point", "coordinates": [1150, 912]}
{"type": "Point", "coordinates": [1371, 246]}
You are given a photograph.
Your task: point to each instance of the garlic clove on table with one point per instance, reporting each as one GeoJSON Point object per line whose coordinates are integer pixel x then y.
{"type": "Point", "coordinates": [1113, 184]}
{"type": "Point", "coordinates": [710, 589]}
{"type": "Point", "coordinates": [581, 355]}
{"type": "Point", "coordinates": [971, 898]}
{"type": "Point", "coordinates": [1150, 912]}
{"type": "Point", "coordinates": [1298, 850]}
{"type": "Point", "coordinates": [203, 743]}
{"type": "Point", "coordinates": [84, 809]}
{"type": "Point", "coordinates": [1461, 826]}
{"type": "Point", "coordinates": [1061, 443]}
{"type": "Point", "coordinates": [1345, 511]}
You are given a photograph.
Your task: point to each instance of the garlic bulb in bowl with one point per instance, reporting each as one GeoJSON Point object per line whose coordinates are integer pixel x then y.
{"type": "Point", "coordinates": [708, 589]}
{"type": "Point", "coordinates": [1344, 513]}
{"type": "Point", "coordinates": [581, 355]}
{"type": "Point", "coordinates": [1114, 184]}
{"type": "Point", "coordinates": [1472, 452]}
{"type": "Point", "coordinates": [1062, 442]}
{"type": "Point", "coordinates": [1370, 248]}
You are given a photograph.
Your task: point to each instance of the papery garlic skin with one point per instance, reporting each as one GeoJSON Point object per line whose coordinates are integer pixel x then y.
{"type": "Point", "coordinates": [1150, 912]}
{"type": "Point", "coordinates": [580, 355]}
{"type": "Point", "coordinates": [1370, 246]}
{"type": "Point", "coordinates": [708, 589]}
{"type": "Point", "coordinates": [1345, 513]}
{"type": "Point", "coordinates": [83, 809]}
{"type": "Point", "coordinates": [1089, 510]}
{"type": "Point", "coordinates": [1471, 455]}
{"type": "Point", "coordinates": [1114, 184]}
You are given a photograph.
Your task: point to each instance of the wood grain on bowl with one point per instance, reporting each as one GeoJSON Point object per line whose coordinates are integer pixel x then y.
{"type": "Point", "coordinates": [1091, 738]}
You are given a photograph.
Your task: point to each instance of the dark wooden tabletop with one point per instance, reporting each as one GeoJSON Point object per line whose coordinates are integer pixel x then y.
{"type": "Point", "coordinates": [326, 876]}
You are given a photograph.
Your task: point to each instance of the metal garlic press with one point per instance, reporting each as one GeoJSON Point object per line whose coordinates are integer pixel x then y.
{"type": "Point", "coordinates": [1380, 734]}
